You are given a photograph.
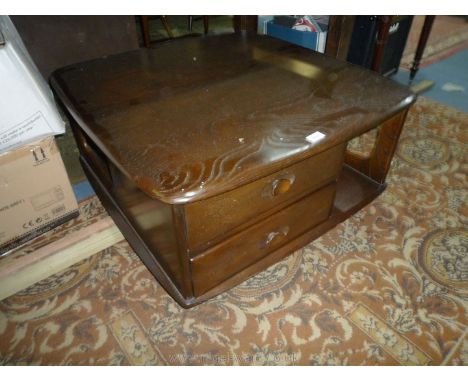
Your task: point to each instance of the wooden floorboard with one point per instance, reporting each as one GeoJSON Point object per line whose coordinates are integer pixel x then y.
{"type": "Point", "coordinates": [57, 256]}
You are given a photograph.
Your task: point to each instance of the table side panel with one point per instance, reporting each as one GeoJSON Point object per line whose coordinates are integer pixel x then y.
{"type": "Point", "coordinates": [152, 219]}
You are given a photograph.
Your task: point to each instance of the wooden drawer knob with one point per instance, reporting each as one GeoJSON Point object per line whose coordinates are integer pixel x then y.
{"type": "Point", "coordinates": [275, 236]}
{"type": "Point", "coordinates": [281, 186]}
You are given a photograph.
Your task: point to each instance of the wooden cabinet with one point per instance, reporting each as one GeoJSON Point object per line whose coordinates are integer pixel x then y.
{"type": "Point", "coordinates": [219, 155]}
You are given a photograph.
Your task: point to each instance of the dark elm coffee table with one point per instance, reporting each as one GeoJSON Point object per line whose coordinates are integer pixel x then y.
{"type": "Point", "coordinates": [217, 156]}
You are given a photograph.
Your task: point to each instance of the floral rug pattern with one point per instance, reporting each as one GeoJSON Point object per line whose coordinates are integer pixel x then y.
{"type": "Point", "coordinates": [448, 35]}
{"type": "Point", "coordinates": [386, 287]}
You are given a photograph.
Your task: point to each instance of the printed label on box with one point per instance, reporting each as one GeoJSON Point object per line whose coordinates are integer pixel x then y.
{"type": "Point", "coordinates": [24, 130]}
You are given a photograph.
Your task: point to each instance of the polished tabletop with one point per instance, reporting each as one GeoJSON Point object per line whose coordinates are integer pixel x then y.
{"type": "Point", "coordinates": [198, 116]}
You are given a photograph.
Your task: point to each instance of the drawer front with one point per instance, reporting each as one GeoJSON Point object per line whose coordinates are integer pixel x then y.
{"type": "Point", "coordinates": [209, 220]}
{"type": "Point", "coordinates": [245, 248]}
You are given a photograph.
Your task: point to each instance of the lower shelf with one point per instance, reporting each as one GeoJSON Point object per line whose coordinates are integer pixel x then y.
{"type": "Point", "coordinates": [354, 191]}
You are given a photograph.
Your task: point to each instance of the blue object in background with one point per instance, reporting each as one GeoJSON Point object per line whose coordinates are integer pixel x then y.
{"type": "Point", "coordinates": [449, 72]}
{"type": "Point", "coordinates": [310, 40]}
{"type": "Point", "coordinates": [83, 190]}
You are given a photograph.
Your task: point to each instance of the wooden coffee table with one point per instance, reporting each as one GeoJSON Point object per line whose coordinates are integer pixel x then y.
{"type": "Point", "coordinates": [217, 156]}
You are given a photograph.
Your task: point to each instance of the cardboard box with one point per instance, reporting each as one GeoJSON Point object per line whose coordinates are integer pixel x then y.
{"type": "Point", "coordinates": [27, 107]}
{"type": "Point", "coordinates": [35, 193]}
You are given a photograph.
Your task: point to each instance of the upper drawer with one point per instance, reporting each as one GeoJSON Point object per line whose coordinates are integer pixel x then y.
{"type": "Point", "coordinates": [210, 220]}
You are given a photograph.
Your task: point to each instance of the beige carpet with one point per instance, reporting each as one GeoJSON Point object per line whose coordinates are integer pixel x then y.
{"type": "Point", "coordinates": [449, 34]}
{"type": "Point", "coordinates": [388, 286]}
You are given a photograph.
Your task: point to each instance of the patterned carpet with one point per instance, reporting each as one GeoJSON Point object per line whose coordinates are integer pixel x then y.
{"type": "Point", "coordinates": [389, 286]}
{"type": "Point", "coordinates": [449, 34]}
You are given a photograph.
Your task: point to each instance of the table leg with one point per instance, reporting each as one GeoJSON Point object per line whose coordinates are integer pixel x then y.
{"type": "Point", "coordinates": [377, 164]}
{"type": "Point", "coordinates": [190, 23]}
{"type": "Point", "coordinates": [166, 26]}
{"type": "Point", "coordinates": [382, 38]}
{"type": "Point", "coordinates": [426, 30]}
{"type": "Point", "coordinates": [206, 23]}
{"type": "Point", "coordinates": [145, 29]}
{"type": "Point", "coordinates": [245, 23]}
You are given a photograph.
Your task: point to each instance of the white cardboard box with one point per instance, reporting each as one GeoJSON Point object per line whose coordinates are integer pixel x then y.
{"type": "Point", "coordinates": [27, 108]}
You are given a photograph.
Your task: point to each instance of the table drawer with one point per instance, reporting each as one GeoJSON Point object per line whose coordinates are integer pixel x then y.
{"type": "Point", "coordinates": [245, 248]}
{"type": "Point", "coordinates": [209, 220]}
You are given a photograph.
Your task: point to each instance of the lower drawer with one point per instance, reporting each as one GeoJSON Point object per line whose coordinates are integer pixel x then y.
{"type": "Point", "coordinates": [243, 249]}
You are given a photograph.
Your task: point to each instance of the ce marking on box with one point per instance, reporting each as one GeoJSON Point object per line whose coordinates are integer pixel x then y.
{"type": "Point", "coordinates": [35, 222]}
